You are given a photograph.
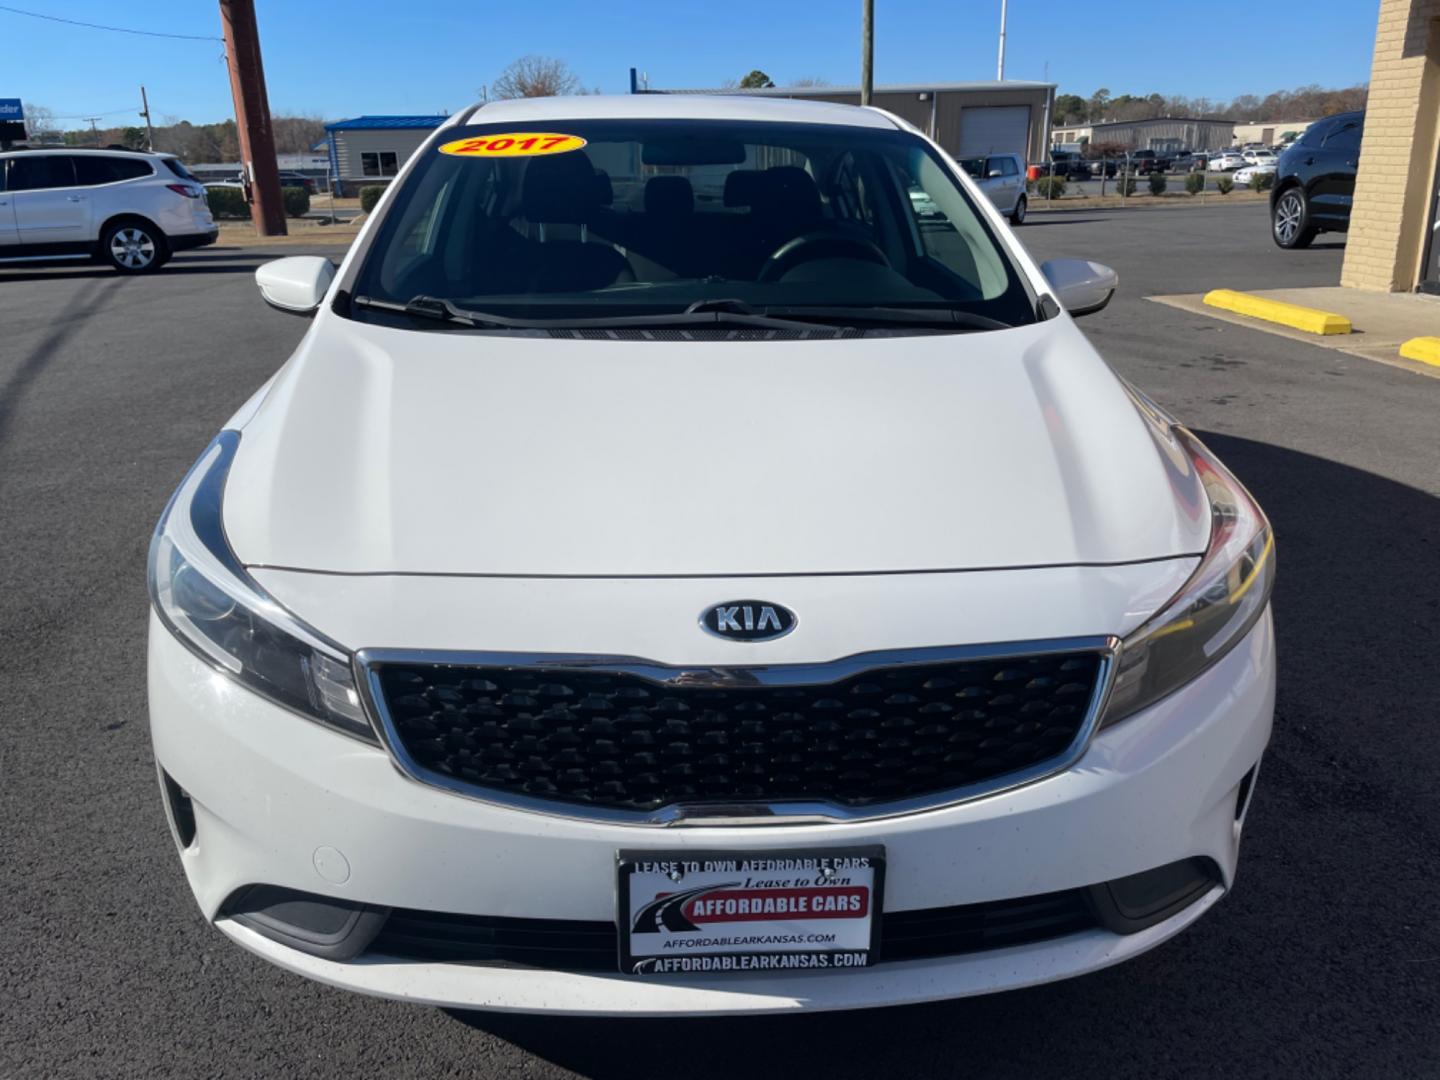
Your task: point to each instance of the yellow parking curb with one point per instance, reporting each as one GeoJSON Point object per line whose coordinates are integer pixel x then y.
{"type": "Point", "coordinates": [1424, 349]}
{"type": "Point", "coordinates": [1311, 320]}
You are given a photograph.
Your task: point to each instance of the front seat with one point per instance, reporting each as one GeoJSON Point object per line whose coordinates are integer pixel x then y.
{"type": "Point", "coordinates": [565, 189]}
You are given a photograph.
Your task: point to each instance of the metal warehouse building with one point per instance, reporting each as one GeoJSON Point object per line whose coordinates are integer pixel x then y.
{"type": "Point", "coordinates": [371, 149]}
{"type": "Point", "coordinates": [967, 119]}
{"type": "Point", "coordinates": [1161, 133]}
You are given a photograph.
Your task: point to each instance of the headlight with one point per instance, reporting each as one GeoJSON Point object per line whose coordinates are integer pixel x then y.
{"type": "Point", "coordinates": [1214, 610]}
{"type": "Point", "coordinates": [203, 594]}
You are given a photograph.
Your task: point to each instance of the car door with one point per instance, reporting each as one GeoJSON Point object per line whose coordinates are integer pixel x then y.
{"type": "Point", "coordinates": [9, 234]}
{"type": "Point", "coordinates": [994, 183]}
{"type": "Point", "coordinates": [1332, 166]}
{"type": "Point", "coordinates": [49, 207]}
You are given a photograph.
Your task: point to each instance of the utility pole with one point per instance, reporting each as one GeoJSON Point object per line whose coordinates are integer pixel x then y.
{"type": "Point", "coordinates": [94, 132]}
{"type": "Point", "coordinates": [145, 112]}
{"type": "Point", "coordinates": [867, 51]}
{"type": "Point", "coordinates": [1000, 65]}
{"type": "Point", "coordinates": [252, 116]}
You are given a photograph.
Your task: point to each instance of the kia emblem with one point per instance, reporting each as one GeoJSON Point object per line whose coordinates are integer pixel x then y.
{"type": "Point", "coordinates": [748, 620]}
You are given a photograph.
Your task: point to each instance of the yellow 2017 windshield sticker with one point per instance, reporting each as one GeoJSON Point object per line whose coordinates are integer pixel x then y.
{"type": "Point", "coordinates": [514, 144]}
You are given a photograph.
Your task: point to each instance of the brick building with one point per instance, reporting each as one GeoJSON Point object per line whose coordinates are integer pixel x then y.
{"type": "Point", "coordinates": [1393, 244]}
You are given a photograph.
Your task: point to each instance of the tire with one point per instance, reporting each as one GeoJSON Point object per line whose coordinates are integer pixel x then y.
{"type": "Point", "coordinates": [1290, 226]}
{"type": "Point", "coordinates": [133, 246]}
{"type": "Point", "coordinates": [1017, 215]}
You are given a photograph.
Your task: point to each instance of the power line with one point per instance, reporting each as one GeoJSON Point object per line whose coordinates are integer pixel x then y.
{"type": "Point", "coordinates": [86, 116]}
{"type": "Point", "coordinates": [113, 29]}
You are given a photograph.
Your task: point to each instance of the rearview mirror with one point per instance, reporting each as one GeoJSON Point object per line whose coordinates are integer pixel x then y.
{"type": "Point", "coordinates": [1081, 286]}
{"type": "Point", "coordinates": [297, 284]}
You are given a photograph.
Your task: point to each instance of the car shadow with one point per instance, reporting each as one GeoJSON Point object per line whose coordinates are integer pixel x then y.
{"type": "Point", "coordinates": [180, 264]}
{"type": "Point", "coordinates": [1054, 217]}
{"type": "Point", "coordinates": [1310, 967]}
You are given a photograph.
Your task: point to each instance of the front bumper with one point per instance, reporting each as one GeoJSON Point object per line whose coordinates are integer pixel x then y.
{"type": "Point", "coordinates": [281, 801]}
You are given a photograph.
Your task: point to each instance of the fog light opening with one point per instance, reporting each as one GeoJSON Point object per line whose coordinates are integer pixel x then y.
{"type": "Point", "coordinates": [181, 811]}
{"type": "Point", "coordinates": [1244, 792]}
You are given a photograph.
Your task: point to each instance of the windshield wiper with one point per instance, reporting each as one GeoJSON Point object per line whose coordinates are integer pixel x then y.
{"type": "Point", "coordinates": [890, 316]}
{"type": "Point", "coordinates": [701, 313]}
{"type": "Point", "coordinates": [433, 307]}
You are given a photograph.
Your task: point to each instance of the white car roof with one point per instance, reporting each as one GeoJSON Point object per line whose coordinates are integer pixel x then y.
{"type": "Point", "coordinates": [677, 107]}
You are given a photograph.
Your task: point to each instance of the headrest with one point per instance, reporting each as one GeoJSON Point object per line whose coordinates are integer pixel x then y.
{"type": "Point", "coordinates": [787, 192]}
{"type": "Point", "coordinates": [561, 189]}
{"type": "Point", "coordinates": [670, 196]}
{"type": "Point", "coordinates": [740, 187]}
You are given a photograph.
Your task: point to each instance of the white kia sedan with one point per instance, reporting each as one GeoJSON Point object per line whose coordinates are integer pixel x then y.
{"type": "Point", "coordinates": [675, 575]}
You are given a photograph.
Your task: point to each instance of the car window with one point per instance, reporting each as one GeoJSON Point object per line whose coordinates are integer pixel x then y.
{"type": "Point", "coordinates": [1345, 137]}
{"type": "Point", "coordinates": [91, 169]}
{"type": "Point", "coordinates": [653, 216]}
{"type": "Point", "coordinates": [974, 166]}
{"type": "Point", "coordinates": [1008, 166]}
{"type": "Point", "coordinates": [177, 168]}
{"type": "Point", "coordinates": [39, 172]}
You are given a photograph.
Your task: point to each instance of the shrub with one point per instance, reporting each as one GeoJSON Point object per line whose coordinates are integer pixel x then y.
{"type": "Point", "coordinates": [1125, 185]}
{"type": "Point", "coordinates": [1262, 181]}
{"type": "Point", "coordinates": [1157, 183]}
{"type": "Point", "coordinates": [369, 196]}
{"type": "Point", "coordinates": [1050, 187]}
{"type": "Point", "coordinates": [1225, 185]}
{"type": "Point", "coordinates": [1195, 182]}
{"type": "Point", "coordinates": [227, 202]}
{"type": "Point", "coordinates": [297, 201]}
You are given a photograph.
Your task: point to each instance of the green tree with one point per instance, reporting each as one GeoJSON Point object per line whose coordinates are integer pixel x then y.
{"type": "Point", "coordinates": [133, 137]}
{"type": "Point", "coordinates": [756, 80]}
{"type": "Point", "coordinates": [1070, 109]}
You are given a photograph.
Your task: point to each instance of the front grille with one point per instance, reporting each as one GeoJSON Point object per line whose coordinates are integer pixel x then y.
{"type": "Point", "coordinates": [620, 740]}
{"type": "Point", "coordinates": [573, 945]}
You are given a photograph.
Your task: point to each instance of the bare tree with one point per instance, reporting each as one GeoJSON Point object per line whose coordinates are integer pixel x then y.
{"type": "Point", "coordinates": [40, 121]}
{"type": "Point", "coordinates": [810, 80]}
{"type": "Point", "coordinates": [535, 76]}
{"type": "Point", "coordinates": [297, 133]}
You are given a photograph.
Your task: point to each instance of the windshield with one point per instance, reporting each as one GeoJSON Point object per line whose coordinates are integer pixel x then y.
{"type": "Point", "coordinates": [613, 218]}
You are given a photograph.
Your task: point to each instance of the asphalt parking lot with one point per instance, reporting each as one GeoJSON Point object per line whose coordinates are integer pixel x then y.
{"type": "Point", "coordinates": [1325, 961]}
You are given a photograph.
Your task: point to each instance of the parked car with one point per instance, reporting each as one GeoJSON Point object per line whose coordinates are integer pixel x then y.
{"type": "Point", "coordinates": [300, 180]}
{"type": "Point", "coordinates": [506, 650]}
{"type": "Point", "coordinates": [287, 179]}
{"type": "Point", "coordinates": [1226, 161]}
{"type": "Point", "coordinates": [1243, 176]}
{"type": "Point", "coordinates": [1258, 157]}
{"type": "Point", "coordinates": [1002, 178]}
{"type": "Point", "coordinates": [1187, 161]}
{"type": "Point", "coordinates": [1315, 181]}
{"type": "Point", "coordinates": [1106, 165]}
{"type": "Point", "coordinates": [1143, 162]}
{"type": "Point", "coordinates": [130, 209]}
{"type": "Point", "coordinates": [1066, 164]}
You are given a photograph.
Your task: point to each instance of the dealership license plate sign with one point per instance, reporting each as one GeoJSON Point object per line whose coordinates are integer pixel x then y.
{"type": "Point", "coordinates": [720, 911]}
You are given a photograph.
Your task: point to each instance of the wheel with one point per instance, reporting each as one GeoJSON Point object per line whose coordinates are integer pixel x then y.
{"type": "Point", "coordinates": [1017, 216]}
{"type": "Point", "coordinates": [134, 247]}
{"type": "Point", "coordinates": [1290, 220]}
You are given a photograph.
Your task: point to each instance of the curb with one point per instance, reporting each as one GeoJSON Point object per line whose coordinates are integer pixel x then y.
{"type": "Point", "coordinates": [1424, 349]}
{"type": "Point", "coordinates": [1310, 320]}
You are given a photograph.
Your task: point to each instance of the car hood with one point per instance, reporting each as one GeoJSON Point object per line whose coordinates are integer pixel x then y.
{"type": "Point", "coordinates": [380, 450]}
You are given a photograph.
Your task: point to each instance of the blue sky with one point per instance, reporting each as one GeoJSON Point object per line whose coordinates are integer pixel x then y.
{"type": "Point", "coordinates": [388, 56]}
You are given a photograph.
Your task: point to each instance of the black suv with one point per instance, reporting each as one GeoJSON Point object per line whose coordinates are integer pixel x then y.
{"type": "Point", "coordinates": [1315, 181]}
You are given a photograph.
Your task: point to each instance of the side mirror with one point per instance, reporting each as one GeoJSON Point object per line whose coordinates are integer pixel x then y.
{"type": "Point", "coordinates": [993, 173]}
{"type": "Point", "coordinates": [1081, 286]}
{"type": "Point", "coordinates": [296, 284]}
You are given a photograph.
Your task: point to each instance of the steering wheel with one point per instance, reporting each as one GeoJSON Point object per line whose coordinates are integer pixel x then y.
{"type": "Point", "coordinates": [818, 245]}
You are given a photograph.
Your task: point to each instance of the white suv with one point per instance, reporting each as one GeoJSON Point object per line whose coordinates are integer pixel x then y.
{"type": "Point", "coordinates": [130, 209]}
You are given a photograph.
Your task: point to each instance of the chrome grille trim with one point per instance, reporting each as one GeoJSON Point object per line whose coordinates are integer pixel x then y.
{"type": "Point", "coordinates": [367, 661]}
